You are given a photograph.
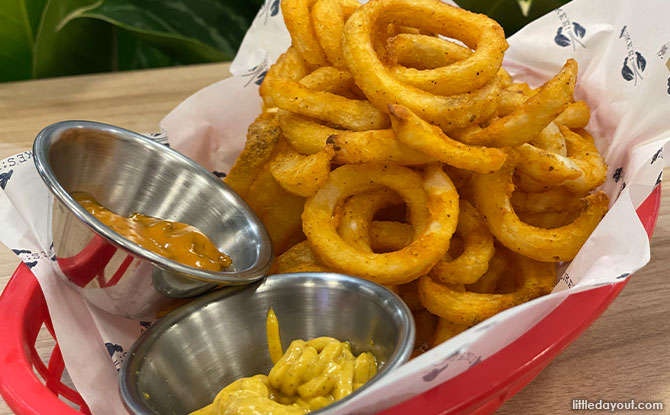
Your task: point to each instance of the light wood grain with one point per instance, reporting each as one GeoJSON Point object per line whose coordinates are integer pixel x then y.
{"type": "Point", "coordinates": [623, 356]}
{"type": "Point", "coordinates": [135, 100]}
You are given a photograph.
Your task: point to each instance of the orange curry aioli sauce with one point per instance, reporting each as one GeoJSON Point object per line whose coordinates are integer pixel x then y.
{"type": "Point", "coordinates": [176, 241]}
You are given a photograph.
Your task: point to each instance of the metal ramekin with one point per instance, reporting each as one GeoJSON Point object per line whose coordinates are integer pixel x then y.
{"type": "Point", "coordinates": [127, 172]}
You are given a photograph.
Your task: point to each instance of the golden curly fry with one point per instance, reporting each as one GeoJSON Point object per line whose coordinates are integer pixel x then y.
{"type": "Point", "coordinates": [304, 134]}
{"type": "Point", "coordinates": [497, 267]}
{"type": "Point", "coordinates": [469, 308]}
{"type": "Point", "coordinates": [582, 150]}
{"type": "Point", "coordinates": [554, 200]}
{"type": "Point", "coordinates": [297, 17]}
{"type": "Point", "coordinates": [347, 113]}
{"type": "Point", "coordinates": [432, 201]}
{"type": "Point", "coordinates": [422, 52]}
{"type": "Point", "coordinates": [329, 79]}
{"type": "Point", "coordinates": [581, 171]}
{"type": "Point", "coordinates": [387, 236]}
{"type": "Point", "coordinates": [419, 135]}
{"type": "Point", "coordinates": [278, 210]}
{"type": "Point", "coordinates": [298, 255]}
{"type": "Point", "coordinates": [425, 323]}
{"type": "Point", "coordinates": [576, 115]}
{"type": "Point", "coordinates": [445, 330]}
{"type": "Point", "coordinates": [478, 94]}
{"type": "Point", "coordinates": [549, 220]}
{"type": "Point", "coordinates": [475, 30]}
{"type": "Point", "coordinates": [545, 166]}
{"type": "Point", "coordinates": [328, 17]}
{"type": "Point", "coordinates": [551, 139]}
{"type": "Point", "coordinates": [375, 146]}
{"type": "Point", "coordinates": [513, 96]}
{"type": "Point", "coordinates": [357, 214]}
{"type": "Point", "coordinates": [376, 87]}
{"type": "Point", "coordinates": [409, 293]}
{"type": "Point", "coordinates": [290, 66]}
{"type": "Point", "coordinates": [533, 116]}
{"type": "Point", "coordinates": [262, 137]}
{"type": "Point", "coordinates": [308, 136]}
{"type": "Point", "coordinates": [301, 175]}
{"type": "Point", "coordinates": [478, 249]}
{"type": "Point", "coordinates": [492, 194]}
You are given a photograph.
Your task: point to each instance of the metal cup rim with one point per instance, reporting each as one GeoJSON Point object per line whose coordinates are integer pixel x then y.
{"type": "Point", "coordinates": [401, 354]}
{"type": "Point", "coordinates": [41, 147]}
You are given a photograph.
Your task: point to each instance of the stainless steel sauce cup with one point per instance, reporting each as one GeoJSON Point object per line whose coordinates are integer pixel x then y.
{"type": "Point", "coordinates": [181, 362]}
{"type": "Point", "coordinates": [127, 172]}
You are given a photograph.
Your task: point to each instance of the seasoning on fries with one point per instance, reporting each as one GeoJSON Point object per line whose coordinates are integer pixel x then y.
{"type": "Point", "coordinates": [393, 146]}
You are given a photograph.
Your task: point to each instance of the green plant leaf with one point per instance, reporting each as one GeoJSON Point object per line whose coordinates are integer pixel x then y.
{"type": "Point", "coordinates": [188, 31]}
{"type": "Point", "coordinates": [40, 38]}
{"type": "Point", "coordinates": [509, 13]}
{"type": "Point", "coordinates": [133, 53]}
{"type": "Point", "coordinates": [37, 42]}
{"type": "Point", "coordinates": [18, 23]}
{"type": "Point", "coordinates": [34, 10]}
{"type": "Point", "coordinates": [66, 47]}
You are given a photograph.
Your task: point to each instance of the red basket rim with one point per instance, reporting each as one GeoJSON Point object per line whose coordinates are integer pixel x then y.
{"type": "Point", "coordinates": [510, 369]}
{"type": "Point", "coordinates": [481, 389]}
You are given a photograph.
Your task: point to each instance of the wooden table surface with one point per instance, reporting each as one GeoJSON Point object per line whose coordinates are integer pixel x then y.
{"type": "Point", "coordinates": [623, 356]}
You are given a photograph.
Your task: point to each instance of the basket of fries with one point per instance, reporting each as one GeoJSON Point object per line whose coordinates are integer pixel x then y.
{"type": "Point", "coordinates": [492, 183]}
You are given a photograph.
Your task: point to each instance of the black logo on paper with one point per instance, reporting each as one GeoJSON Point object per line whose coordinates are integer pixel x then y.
{"type": "Point", "coordinates": [256, 74]}
{"type": "Point", "coordinates": [634, 63]}
{"type": "Point", "coordinates": [657, 155]}
{"type": "Point", "coordinates": [144, 326]}
{"type": "Point", "coordinates": [471, 359]}
{"type": "Point", "coordinates": [116, 353]}
{"type": "Point", "coordinates": [662, 53]}
{"type": "Point", "coordinates": [260, 78]}
{"type": "Point", "coordinates": [16, 160]}
{"type": "Point", "coordinates": [53, 252]}
{"type": "Point", "coordinates": [274, 9]}
{"type": "Point", "coordinates": [31, 258]}
{"type": "Point", "coordinates": [113, 348]}
{"type": "Point", "coordinates": [269, 9]}
{"type": "Point", "coordinates": [567, 279]}
{"type": "Point", "coordinates": [160, 138]}
{"type": "Point", "coordinates": [4, 178]}
{"type": "Point", "coordinates": [27, 256]}
{"type": "Point", "coordinates": [632, 74]}
{"type": "Point", "coordinates": [618, 174]}
{"type": "Point", "coordinates": [622, 276]}
{"type": "Point", "coordinates": [659, 179]}
{"type": "Point", "coordinates": [219, 174]}
{"type": "Point", "coordinates": [569, 33]}
{"type": "Point", "coordinates": [572, 37]}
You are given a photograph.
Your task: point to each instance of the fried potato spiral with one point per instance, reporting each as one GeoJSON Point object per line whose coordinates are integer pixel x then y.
{"type": "Point", "coordinates": [394, 147]}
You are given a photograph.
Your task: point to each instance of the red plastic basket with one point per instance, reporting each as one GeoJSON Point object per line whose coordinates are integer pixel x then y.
{"type": "Point", "coordinates": [480, 390]}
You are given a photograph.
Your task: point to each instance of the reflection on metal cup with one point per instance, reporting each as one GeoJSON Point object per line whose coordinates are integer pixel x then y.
{"type": "Point", "coordinates": [181, 362]}
{"type": "Point", "coordinates": [127, 172]}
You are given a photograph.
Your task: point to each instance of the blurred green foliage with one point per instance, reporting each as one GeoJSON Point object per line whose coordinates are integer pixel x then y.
{"type": "Point", "coordinates": [43, 38]}
{"type": "Point", "coordinates": [512, 14]}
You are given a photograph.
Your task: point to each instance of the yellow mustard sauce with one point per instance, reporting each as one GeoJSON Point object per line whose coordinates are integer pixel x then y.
{"type": "Point", "coordinates": [308, 376]}
{"type": "Point", "coordinates": [174, 240]}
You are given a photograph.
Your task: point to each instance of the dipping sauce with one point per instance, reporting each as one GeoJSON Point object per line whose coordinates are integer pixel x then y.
{"type": "Point", "coordinates": [176, 241]}
{"type": "Point", "coordinates": [308, 376]}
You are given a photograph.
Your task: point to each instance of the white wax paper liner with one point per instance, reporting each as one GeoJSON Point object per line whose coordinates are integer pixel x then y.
{"type": "Point", "coordinates": [623, 51]}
